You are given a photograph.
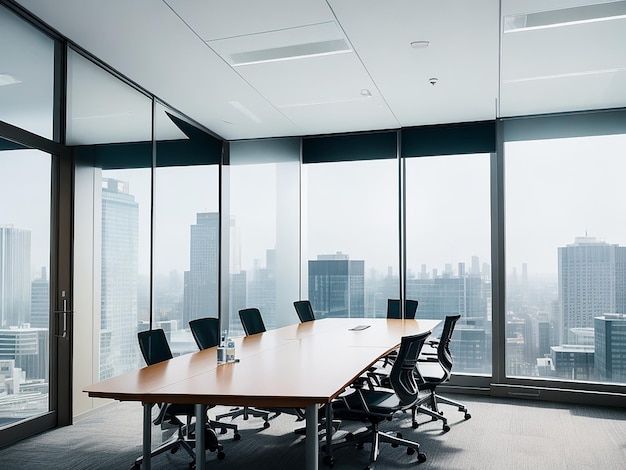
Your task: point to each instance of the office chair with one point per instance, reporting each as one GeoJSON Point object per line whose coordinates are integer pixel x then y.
{"type": "Point", "coordinates": [252, 324]}
{"type": "Point", "coordinates": [206, 333]}
{"type": "Point", "coordinates": [394, 312]}
{"type": "Point", "coordinates": [393, 308]}
{"type": "Point", "coordinates": [433, 371]}
{"type": "Point", "coordinates": [373, 406]}
{"type": "Point", "coordinates": [252, 321]}
{"type": "Point", "coordinates": [304, 310]}
{"type": "Point", "coordinates": [155, 348]}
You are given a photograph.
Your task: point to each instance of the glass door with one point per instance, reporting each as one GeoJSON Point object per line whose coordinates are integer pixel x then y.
{"type": "Point", "coordinates": [25, 192]}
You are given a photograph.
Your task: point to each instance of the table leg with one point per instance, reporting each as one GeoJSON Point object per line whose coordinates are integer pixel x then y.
{"type": "Point", "coordinates": [147, 435]}
{"type": "Point", "coordinates": [311, 442]}
{"type": "Point", "coordinates": [200, 437]}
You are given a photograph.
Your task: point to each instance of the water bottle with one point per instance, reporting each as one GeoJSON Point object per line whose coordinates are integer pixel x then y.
{"type": "Point", "coordinates": [230, 350]}
{"type": "Point", "coordinates": [221, 350]}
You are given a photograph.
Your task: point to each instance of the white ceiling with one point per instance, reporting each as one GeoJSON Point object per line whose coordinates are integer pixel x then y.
{"type": "Point", "coordinates": [201, 57]}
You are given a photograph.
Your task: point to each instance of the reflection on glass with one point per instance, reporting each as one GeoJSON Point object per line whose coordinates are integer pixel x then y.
{"type": "Point", "coordinates": [448, 250]}
{"type": "Point", "coordinates": [264, 231]}
{"type": "Point", "coordinates": [26, 75]}
{"type": "Point", "coordinates": [352, 232]}
{"type": "Point", "coordinates": [24, 284]}
{"type": "Point", "coordinates": [566, 259]}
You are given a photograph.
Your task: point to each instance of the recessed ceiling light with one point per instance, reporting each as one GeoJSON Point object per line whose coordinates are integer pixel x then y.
{"type": "Point", "coordinates": [366, 92]}
{"type": "Point", "coordinates": [565, 17]}
{"type": "Point", "coordinates": [6, 79]}
{"type": "Point", "coordinates": [420, 44]}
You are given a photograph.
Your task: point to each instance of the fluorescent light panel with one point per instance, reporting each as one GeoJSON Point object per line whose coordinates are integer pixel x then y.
{"type": "Point", "coordinates": [565, 17]}
{"type": "Point", "coordinates": [298, 51]}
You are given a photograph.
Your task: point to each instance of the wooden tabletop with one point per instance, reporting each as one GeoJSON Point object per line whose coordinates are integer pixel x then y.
{"type": "Point", "coordinates": [293, 366]}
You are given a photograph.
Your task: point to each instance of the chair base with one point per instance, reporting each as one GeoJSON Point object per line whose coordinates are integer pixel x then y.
{"type": "Point", "coordinates": [375, 437]}
{"type": "Point", "coordinates": [429, 405]}
{"type": "Point", "coordinates": [246, 412]}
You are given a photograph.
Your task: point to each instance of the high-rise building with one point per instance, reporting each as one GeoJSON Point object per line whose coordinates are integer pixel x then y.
{"type": "Point", "coordinates": [592, 282]}
{"type": "Point", "coordinates": [610, 347]}
{"type": "Point", "coordinates": [14, 276]}
{"type": "Point", "coordinates": [40, 301]}
{"type": "Point", "coordinates": [262, 289]}
{"type": "Point", "coordinates": [120, 260]}
{"type": "Point", "coordinates": [337, 286]}
{"type": "Point", "coordinates": [201, 286]}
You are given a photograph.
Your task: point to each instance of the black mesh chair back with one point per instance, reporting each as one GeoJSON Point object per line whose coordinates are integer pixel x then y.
{"type": "Point", "coordinates": [251, 321]}
{"type": "Point", "coordinates": [304, 310]}
{"type": "Point", "coordinates": [443, 348]}
{"type": "Point", "coordinates": [154, 346]}
{"type": "Point", "coordinates": [393, 309]}
{"type": "Point", "coordinates": [402, 375]}
{"type": "Point", "coordinates": [206, 332]}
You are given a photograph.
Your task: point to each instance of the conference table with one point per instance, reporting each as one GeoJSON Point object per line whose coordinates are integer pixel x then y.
{"type": "Point", "coordinates": [305, 365]}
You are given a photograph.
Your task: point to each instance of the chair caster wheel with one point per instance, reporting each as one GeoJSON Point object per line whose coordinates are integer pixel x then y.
{"type": "Point", "coordinates": [221, 455]}
{"type": "Point", "coordinates": [446, 428]}
{"type": "Point", "coordinates": [266, 425]}
{"type": "Point", "coordinates": [410, 451]}
{"type": "Point", "coordinates": [432, 418]}
{"type": "Point", "coordinates": [237, 436]}
{"type": "Point", "coordinates": [468, 416]}
{"type": "Point", "coordinates": [223, 431]}
{"type": "Point", "coordinates": [328, 461]}
{"type": "Point", "coordinates": [349, 436]}
{"type": "Point", "coordinates": [421, 457]}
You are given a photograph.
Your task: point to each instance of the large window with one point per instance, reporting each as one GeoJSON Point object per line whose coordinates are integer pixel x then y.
{"type": "Point", "coordinates": [264, 230]}
{"type": "Point", "coordinates": [566, 258]}
{"type": "Point", "coordinates": [351, 229]}
{"type": "Point", "coordinates": [448, 233]}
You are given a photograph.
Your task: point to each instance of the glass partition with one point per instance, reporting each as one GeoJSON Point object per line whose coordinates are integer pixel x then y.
{"type": "Point", "coordinates": [185, 231]}
{"type": "Point", "coordinates": [264, 230]}
{"type": "Point", "coordinates": [26, 75]}
{"type": "Point", "coordinates": [448, 233]}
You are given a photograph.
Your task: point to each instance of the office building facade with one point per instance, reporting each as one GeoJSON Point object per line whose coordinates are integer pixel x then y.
{"type": "Point", "coordinates": [610, 347]}
{"type": "Point", "coordinates": [592, 282]}
{"type": "Point", "coordinates": [118, 316]}
{"type": "Point", "coordinates": [337, 286]}
{"type": "Point", "coordinates": [200, 291]}
{"type": "Point", "coordinates": [15, 279]}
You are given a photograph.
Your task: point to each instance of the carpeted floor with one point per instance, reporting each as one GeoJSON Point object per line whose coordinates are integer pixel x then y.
{"type": "Point", "coordinates": [501, 435]}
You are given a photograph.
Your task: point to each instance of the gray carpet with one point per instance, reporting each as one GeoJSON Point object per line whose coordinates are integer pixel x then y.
{"type": "Point", "coordinates": [502, 434]}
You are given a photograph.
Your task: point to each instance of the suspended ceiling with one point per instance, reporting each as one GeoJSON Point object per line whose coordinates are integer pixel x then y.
{"type": "Point", "coordinates": [250, 69]}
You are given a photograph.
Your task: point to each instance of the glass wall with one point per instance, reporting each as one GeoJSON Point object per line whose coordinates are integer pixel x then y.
{"type": "Point", "coordinates": [264, 230]}
{"type": "Point", "coordinates": [109, 123]}
{"type": "Point", "coordinates": [566, 254]}
{"type": "Point", "coordinates": [185, 230]}
{"type": "Point", "coordinates": [448, 250]}
{"type": "Point", "coordinates": [350, 224]}
{"type": "Point", "coordinates": [25, 189]}
{"type": "Point", "coordinates": [26, 76]}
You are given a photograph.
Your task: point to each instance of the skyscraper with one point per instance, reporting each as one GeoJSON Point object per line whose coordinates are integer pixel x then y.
{"type": "Point", "coordinates": [14, 276]}
{"type": "Point", "coordinates": [201, 286]}
{"type": "Point", "coordinates": [610, 347]}
{"type": "Point", "coordinates": [120, 260]}
{"type": "Point", "coordinates": [592, 282]}
{"type": "Point", "coordinates": [40, 301]}
{"type": "Point", "coordinates": [337, 286]}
